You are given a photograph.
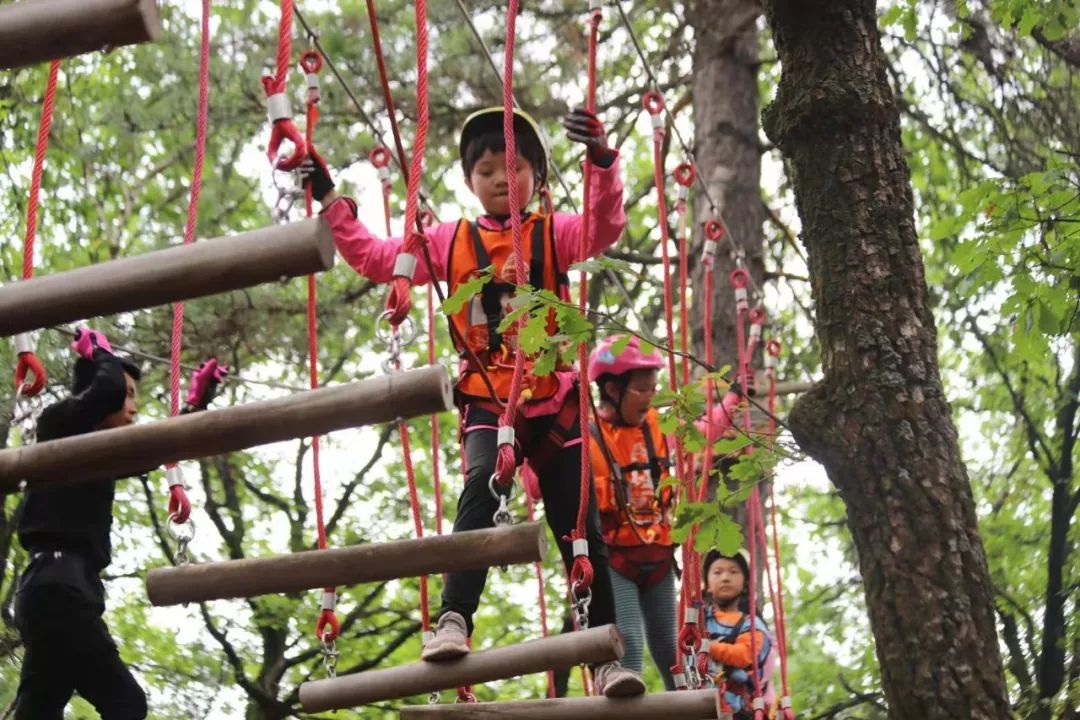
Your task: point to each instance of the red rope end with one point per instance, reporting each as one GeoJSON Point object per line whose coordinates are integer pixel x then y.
{"type": "Point", "coordinates": [179, 505]}
{"type": "Point", "coordinates": [28, 364]}
{"type": "Point", "coordinates": [399, 302]}
{"type": "Point", "coordinates": [505, 464]}
{"type": "Point", "coordinates": [328, 627]}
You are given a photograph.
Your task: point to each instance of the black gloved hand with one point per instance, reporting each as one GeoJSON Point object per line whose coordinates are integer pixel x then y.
{"type": "Point", "coordinates": [584, 127]}
{"type": "Point", "coordinates": [313, 171]}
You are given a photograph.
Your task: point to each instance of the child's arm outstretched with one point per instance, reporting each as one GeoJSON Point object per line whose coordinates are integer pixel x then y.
{"type": "Point", "coordinates": [607, 219]}
{"type": "Point", "coordinates": [371, 256]}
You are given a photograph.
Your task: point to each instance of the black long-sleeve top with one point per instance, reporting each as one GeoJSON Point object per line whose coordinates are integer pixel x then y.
{"type": "Point", "coordinates": [77, 517]}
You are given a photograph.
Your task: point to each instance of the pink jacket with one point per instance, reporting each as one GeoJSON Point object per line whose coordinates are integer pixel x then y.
{"type": "Point", "coordinates": [373, 257]}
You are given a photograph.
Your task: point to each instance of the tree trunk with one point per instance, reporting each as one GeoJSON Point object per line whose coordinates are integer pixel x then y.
{"type": "Point", "coordinates": [879, 421]}
{"type": "Point", "coordinates": [728, 154]}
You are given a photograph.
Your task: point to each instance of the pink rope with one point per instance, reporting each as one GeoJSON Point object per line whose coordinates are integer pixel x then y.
{"type": "Point", "coordinates": [193, 203]}
{"type": "Point", "coordinates": [506, 460]}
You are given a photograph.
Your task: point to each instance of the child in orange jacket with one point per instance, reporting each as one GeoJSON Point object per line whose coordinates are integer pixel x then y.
{"type": "Point", "coordinates": [727, 622]}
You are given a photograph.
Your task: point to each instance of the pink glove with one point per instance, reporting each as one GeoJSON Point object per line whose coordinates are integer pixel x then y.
{"type": "Point", "coordinates": [87, 341]}
{"type": "Point", "coordinates": [179, 505]}
{"type": "Point", "coordinates": [204, 382]}
{"type": "Point", "coordinates": [723, 417]}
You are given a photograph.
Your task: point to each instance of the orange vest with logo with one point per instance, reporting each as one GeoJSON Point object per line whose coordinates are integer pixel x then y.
{"type": "Point", "coordinates": [628, 470]}
{"type": "Point", "coordinates": [473, 249]}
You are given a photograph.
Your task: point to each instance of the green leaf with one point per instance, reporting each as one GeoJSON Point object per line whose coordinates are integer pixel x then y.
{"type": "Point", "coordinates": [619, 346]}
{"type": "Point", "coordinates": [465, 291]}
{"type": "Point", "coordinates": [892, 15]}
{"type": "Point", "coordinates": [1049, 321]}
{"type": "Point", "coordinates": [545, 363]}
{"type": "Point", "coordinates": [719, 532]}
{"type": "Point", "coordinates": [1028, 21]}
{"type": "Point", "coordinates": [727, 446]}
{"type": "Point", "coordinates": [534, 336]}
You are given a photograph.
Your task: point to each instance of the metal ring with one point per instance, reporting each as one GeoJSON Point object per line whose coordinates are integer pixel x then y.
{"type": "Point", "coordinates": [757, 316]}
{"type": "Point", "coordinates": [179, 536]}
{"type": "Point", "coordinates": [495, 493]}
{"type": "Point", "coordinates": [739, 278]}
{"type": "Point", "coordinates": [406, 331]}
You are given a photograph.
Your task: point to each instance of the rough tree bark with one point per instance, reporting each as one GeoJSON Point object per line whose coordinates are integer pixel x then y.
{"type": "Point", "coordinates": [727, 153]}
{"type": "Point", "coordinates": [879, 421]}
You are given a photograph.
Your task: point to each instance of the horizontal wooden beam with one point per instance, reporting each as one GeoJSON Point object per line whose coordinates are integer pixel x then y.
{"type": "Point", "coordinates": [33, 31]}
{"type": "Point", "coordinates": [680, 705]}
{"type": "Point", "coordinates": [294, 572]}
{"type": "Point", "coordinates": [557, 652]}
{"type": "Point", "coordinates": [163, 276]}
{"type": "Point", "coordinates": [126, 451]}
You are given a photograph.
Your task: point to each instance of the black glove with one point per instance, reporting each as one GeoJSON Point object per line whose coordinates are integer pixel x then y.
{"type": "Point", "coordinates": [313, 171]}
{"type": "Point", "coordinates": [584, 127]}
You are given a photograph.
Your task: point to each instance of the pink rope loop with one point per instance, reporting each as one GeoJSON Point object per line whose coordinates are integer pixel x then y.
{"type": "Point", "coordinates": [714, 230]}
{"type": "Point", "coordinates": [685, 174]}
{"type": "Point", "coordinates": [311, 61]}
{"type": "Point", "coordinates": [379, 156]}
{"type": "Point", "coordinates": [653, 102]}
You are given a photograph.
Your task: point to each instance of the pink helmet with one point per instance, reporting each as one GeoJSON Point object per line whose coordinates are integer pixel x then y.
{"type": "Point", "coordinates": [604, 361]}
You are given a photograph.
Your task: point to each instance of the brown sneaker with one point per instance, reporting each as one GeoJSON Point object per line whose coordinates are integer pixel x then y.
{"type": "Point", "coordinates": [613, 680]}
{"type": "Point", "coordinates": [451, 639]}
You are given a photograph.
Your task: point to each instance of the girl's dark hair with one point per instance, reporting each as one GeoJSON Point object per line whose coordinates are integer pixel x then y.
{"type": "Point", "coordinates": [714, 555]}
{"type": "Point", "coordinates": [490, 137]}
{"type": "Point", "coordinates": [83, 373]}
{"type": "Point", "coordinates": [621, 381]}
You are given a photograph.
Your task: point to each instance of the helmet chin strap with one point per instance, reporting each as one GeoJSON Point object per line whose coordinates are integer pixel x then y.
{"type": "Point", "coordinates": [618, 410]}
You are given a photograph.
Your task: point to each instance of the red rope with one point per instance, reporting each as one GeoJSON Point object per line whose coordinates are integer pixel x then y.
{"type": "Point", "coordinates": [506, 460]}
{"type": "Point", "coordinates": [530, 509]}
{"type": "Point", "coordinates": [398, 302]}
{"type": "Point", "coordinates": [283, 127]}
{"type": "Point", "coordinates": [44, 125]}
{"type": "Point", "coordinates": [327, 626]}
{"type": "Point", "coordinates": [388, 97]}
{"type": "Point", "coordinates": [178, 500]}
{"type": "Point", "coordinates": [27, 362]}
{"type": "Point", "coordinates": [684, 176]}
{"type": "Point", "coordinates": [772, 349]}
{"type": "Point", "coordinates": [193, 203]}
{"type": "Point", "coordinates": [653, 102]}
{"type": "Point", "coordinates": [418, 524]}
{"type": "Point", "coordinates": [284, 50]}
{"type": "Point", "coordinates": [381, 160]}
{"type": "Point", "coordinates": [581, 574]}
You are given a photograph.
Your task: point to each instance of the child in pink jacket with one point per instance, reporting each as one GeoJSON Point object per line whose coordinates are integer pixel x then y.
{"type": "Point", "coordinates": [547, 431]}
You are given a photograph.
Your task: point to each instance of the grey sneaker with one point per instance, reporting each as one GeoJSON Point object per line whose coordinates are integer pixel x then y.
{"type": "Point", "coordinates": [451, 639]}
{"type": "Point", "coordinates": [613, 680]}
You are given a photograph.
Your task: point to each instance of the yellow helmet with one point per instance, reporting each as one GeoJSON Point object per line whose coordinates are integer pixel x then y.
{"type": "Point", "coordinates": [491, 118]}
